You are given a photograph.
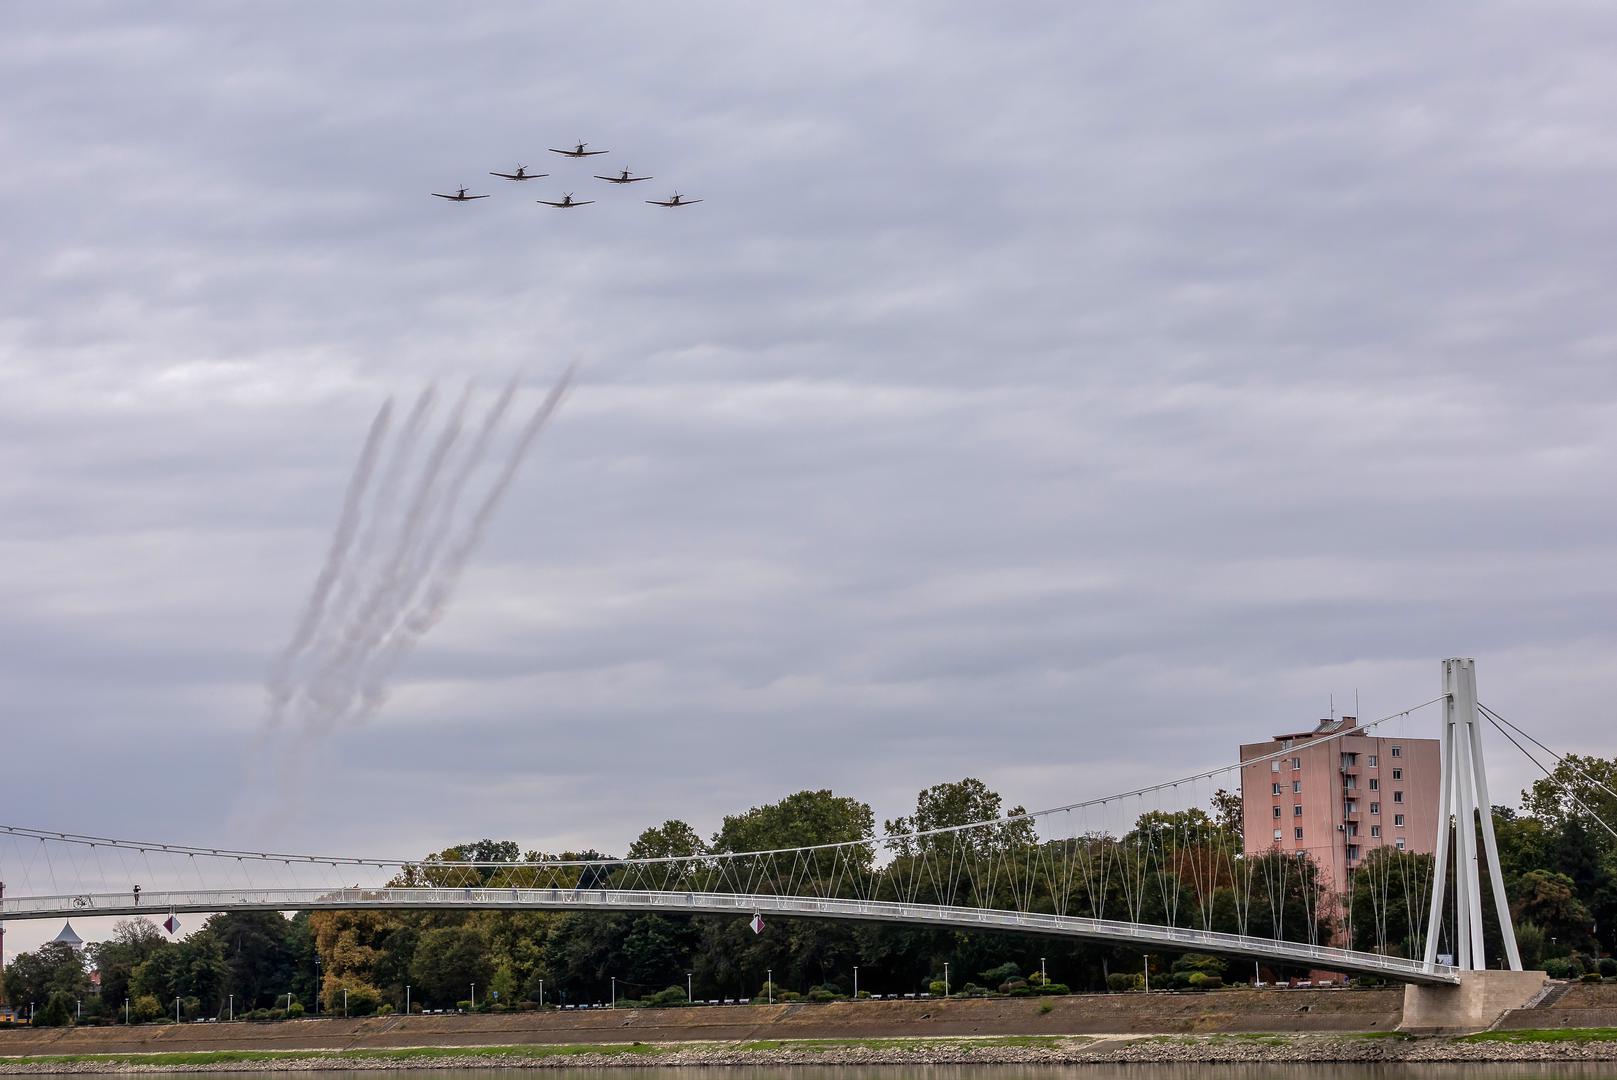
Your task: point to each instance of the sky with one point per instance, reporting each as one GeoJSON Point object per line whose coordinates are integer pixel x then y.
{"type": "Point", "coordinates": [1059, 394]}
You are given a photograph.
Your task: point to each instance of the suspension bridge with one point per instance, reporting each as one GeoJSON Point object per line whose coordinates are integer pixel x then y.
{"type": "Point", "coordinates": [1147, 869]}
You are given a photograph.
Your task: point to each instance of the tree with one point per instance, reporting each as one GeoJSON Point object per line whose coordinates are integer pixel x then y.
{"type": "Point", "coordinates": [1229, 816]}
{"type": "Point", "coordinates": [950, 806]}
{"type": "Point", "coordinates": [1547, 899]}
{"type": "Point", "coordinates": [54, 968]}
{"type": "Point", "coordinates": [448, 961]}
{"type": "Point", "coordinates": [133, 942]}
{"type": "Point", "coordinates": [58, 1011]}
{"type": "Point", "coordinates": [806, 818]}
{"type": "Point", "coordinates": [255, 948]}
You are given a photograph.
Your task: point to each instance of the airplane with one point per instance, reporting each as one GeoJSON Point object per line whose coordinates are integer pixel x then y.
{"type": "Point", "coordinates": [566, 203]}
{"type": "Point", "coordinates": [522, 173]}
{"type": "Point", "coordinates": [624, 179]}
{"type": "Point", "coordinates": [460, 196]}
{"type": "Point", "coordinates": [677, 200]}
{"type": "Point", "coordinates": [579, 151]}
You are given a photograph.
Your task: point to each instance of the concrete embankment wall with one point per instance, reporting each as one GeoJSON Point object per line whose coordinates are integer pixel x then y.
{"type": "Point", "coordinates": [1583, 1005]}
{"type": "Point", "coordinates": [1229, 1010]}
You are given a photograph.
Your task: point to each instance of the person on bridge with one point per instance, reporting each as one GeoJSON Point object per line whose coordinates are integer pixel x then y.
{"type": "Point", "coordinates": [137, 896]}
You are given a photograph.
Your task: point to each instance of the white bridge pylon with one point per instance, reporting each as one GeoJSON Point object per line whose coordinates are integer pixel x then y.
{"type": "Point", "coordinates": [1139, 935]}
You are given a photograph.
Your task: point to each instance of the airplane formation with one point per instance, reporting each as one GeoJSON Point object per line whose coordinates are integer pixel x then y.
{"type": "Point", "coordinates": [581, 150]}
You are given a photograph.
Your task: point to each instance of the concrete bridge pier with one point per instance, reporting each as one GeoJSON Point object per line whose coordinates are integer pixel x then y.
{"type": "Point", "coordinates": [1476, 1004]}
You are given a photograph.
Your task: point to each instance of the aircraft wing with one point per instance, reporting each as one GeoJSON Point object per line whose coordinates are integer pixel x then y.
{"type": "Point", "coordinates": [470, 197]}
{"type": "Point", "coordinates": [581, 202]}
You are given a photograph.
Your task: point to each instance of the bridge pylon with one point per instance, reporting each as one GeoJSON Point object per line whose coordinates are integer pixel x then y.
{"type": "Point", "coordinates": [1463, 804]}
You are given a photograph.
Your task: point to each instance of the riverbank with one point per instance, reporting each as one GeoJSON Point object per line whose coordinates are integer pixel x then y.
{"type": "Point", "coordinates": [1598, 1045]}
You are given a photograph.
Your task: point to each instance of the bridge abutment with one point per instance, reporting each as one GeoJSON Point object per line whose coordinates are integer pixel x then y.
{"type": "Point", "coordinates": [1476, 1004]}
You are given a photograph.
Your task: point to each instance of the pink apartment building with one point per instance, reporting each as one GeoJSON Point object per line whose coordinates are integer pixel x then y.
{"type": "Point", "coordinates": [1339, 799]}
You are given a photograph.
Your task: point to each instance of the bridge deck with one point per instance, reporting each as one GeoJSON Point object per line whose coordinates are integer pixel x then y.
{"type": "Point", "coordinates": [1141, 935]}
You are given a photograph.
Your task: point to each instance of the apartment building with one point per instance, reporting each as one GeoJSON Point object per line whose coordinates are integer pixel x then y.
{"type": "Point", "coordinates": [1339, 798]}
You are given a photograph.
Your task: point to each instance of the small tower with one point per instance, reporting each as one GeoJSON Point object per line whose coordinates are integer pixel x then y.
{"type": "Point", "coordinates": [69, 937]}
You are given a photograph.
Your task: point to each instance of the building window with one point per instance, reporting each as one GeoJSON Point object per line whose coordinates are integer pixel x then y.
{"type": "Point", "coordinates": [1274, 765]}
{"type": "Point", "coordinates": [1296, 787]}
{"type": "Point", "coordinates": [1296, 763]}
{"type": "Point", "coordinates": [1298, 832]}
{"type": "Point", "coordinates": [1398, 774]}
{"type": "Point", "coordinates": [1398, 796]}
{"type": "Point", "coordinates": [1375, 785]}
{"type": "Point", "coordinates": [1372, 761]}
{"type": "Point", "coordinates": [1352, 852]}
{"type": "Point", "coordinates": [1297, 810]}
{"type": "Point", "coordinates": [1397, 751]}
{"type": "Point", "coordinates": [1350, 761]}
{"type": "Point", "coordinates": [1375, 808]}
{"type": "Point", "coordinates": [1352, 806]}
{"type": "Point", "coordinates": [1399, 843]}
{"type": "Point", "coordinates": [1352, 829]}
{"type": "Point", "coordinates": [1375, 830]}
{"type": "Point", "coordinates": [1276, 788]}
{"type": "Point", "coordinates": [1277, 811]}
{"type": "Point", "coordinates": [1398, 820]}
{"type": "Point", "coordinates": [1277, 834]}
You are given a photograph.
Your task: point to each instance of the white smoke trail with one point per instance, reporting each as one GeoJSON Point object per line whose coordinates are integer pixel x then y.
{"type": "Point", "coordinates": [314, 609]}
{"type": "Point", "coordinates": [439, 586]}
{"type": "Point", "coordinates": [334, 684]}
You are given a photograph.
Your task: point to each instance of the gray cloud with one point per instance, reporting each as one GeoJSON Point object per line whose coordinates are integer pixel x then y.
{"type": "Point", "coordinates": [1059, 397]}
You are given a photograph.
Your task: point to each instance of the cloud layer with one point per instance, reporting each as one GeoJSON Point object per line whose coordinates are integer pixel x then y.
{"type": "Point", "coordinates": [1059, 396]}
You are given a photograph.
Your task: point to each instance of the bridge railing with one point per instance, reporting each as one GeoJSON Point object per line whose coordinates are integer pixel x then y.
{"type": "Point", "coordinates": [695, 902]}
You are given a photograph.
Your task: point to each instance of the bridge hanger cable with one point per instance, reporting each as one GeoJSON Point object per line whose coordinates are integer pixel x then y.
{"type": "Point", "coordinates": [1598, 820]}
{"type": "Point", "coordinates": [998, 822]}
{"type": "Point", "coordinates": [1494, 717]}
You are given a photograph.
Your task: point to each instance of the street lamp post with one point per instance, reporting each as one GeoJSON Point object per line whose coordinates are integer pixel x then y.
{"type": "Point", "coordinates": [1044, 976]}
{"type": "Point", "coordinates": [126, 1011]}
{"type": "Point", "coordinates": [406, 999]}
{"type": "Point", "coordinates": [946, 978]}
{"type": "Point", "coordinates": [769, 984]}
{"type": "Point", "coordinates": [614, 991]}
{"type": "Point", "coordinates": [474, 995]}
{"type": "Point", "coordinates": [232, 1006]}
{"type": "Point", "coordinates": [345, 1002]}
{"type": "Point", "coordinates": [688, 986]}
{"type": "Point", "coordinates": [856, 982]}
{"type": "Point", "coordinates": [541, 993]}
{"type": "Point", "coordinates": [316, 985]}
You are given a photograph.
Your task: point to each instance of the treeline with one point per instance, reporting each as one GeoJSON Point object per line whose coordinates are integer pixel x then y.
{"type": "Point", "coordinates": [1183, 868]}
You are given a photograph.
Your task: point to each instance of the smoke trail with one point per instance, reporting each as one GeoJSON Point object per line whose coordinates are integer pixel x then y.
{"type": "Point", "coordinates": [335, 683]}
{"type": "Point", "coordinates": [440, 586]}
{"type": "Point", "coordinates": [380, 513]}
{"type": "Point", "coordinates": [347, 524]}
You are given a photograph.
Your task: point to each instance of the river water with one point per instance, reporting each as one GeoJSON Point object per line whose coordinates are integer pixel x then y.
{"type": "Point", "coordinates": [1099, 1071]}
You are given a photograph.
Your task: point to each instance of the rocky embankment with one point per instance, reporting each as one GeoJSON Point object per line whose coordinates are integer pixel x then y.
{"type": "Point", "coordinates": [1317, 1049]}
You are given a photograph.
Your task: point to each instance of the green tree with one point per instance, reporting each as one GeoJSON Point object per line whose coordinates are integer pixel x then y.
{"type": "Point", "coordinates": [1548, 900]}
{"type": "Point", "coordinates": [58, 1011]}
{"type": "Point", "coordinates": [950, 806]}
{"type": "Point", "coordinates": [54, 968]}
{"type": "Point", "coordinates": [133, 942]}
{"type": "Point", "coordinates": [447, 961]}
{"type": "Point", "coordinates": [256, 949]}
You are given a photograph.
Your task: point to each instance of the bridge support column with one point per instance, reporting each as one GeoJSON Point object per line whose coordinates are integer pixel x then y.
{"type": "Point", "coordinates": [1478, 1003]}
{"type": "Point", "coordinates": [1463, 797]}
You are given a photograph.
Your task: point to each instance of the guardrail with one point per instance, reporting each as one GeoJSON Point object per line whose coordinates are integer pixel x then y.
{"type": "Point", "coordinates": [699, 903]}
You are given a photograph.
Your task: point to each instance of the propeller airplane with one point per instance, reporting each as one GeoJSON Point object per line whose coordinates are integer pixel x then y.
{"type": "Point", "coordinates": [578, 151]}
{"type": "Point", "coordinates": [677, 200]}
{"type": "Point", "coordinates": [460, 196]}
{"type": "Point", "coordinates": [625, 178]}
{"type": "Point", "coordinates": [567, 202]}
{"type": "Point", "coordinates": [522, 173]}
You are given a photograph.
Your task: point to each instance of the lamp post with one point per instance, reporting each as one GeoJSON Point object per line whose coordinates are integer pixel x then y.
{"type": "Point", "coordinates": [406, 999]}
{"type": "Point", "coordinates": [769, 984]}
{"type": "Point", "coordinates": [614, 991]}
{"type": "Point", "coordinates": [688, 994]}
{"type": "Point", "coordinates": [232, 1006]}
{"type": "Point", "coordinates": [1044, 976]}
{"type": "Point", "coordinates": [345, 1002]}
{"type": "Point", "coordinates": [474, 995]}
{"type": "Point", "coordinates": [126, 1011]}
{"type": "Point", "coordinates": [1147, 959]}
{"type": "Point", "coordinates": [541, 993]}
{"type": "Point", "coordinates": [856, 982]}
{"type": "Point", "coordinates": [316, 985]}
{"type": "Point", "coordinates": [946, 978]}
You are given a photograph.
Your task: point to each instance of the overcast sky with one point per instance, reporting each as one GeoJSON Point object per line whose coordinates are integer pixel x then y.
{"type": "Point", "coordinates": [1058, 394]}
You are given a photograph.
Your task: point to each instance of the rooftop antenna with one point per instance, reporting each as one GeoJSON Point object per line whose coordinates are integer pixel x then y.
{"type": "Point", "coordinates": [1356, 711]}
{"type": "Point", "coordinates": [1333, 706]}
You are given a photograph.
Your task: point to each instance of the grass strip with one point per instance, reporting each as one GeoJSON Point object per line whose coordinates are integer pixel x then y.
{"type": "Point", "coordinates": [1545, 1035]}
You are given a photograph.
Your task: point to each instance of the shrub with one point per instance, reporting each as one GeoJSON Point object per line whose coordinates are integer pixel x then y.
{"type": "Point", "coordinates": [1560, 967]}
{"type": "Point", "coordinates": [1121, 982]}
{"type": "Point", "coordinates": [1053, 988]}
{"type": "Point", "coordinates": [294, 1010]}
{"type": "Point", "coordinates": [1193, 962]}
{"type": "Point", "coordinates": [1200, 980]}
{"type": "Point", "coordinates": [58, 1011]}
{"type": "Point", "coordinates": [1588, 977]}
{"type": "Point", "coordinates": [936, 987]}
{"type": "Point", "coordinates": [671, 997]}
{"type": "Point", "coordinates": [1608, 967]}
{"type": "Point", "coordinates": [1044, 1007]}
{"type": "Point", "coordinates": [1002, 974]}
{"type": "Point", "coordinates": [820, 993]}
{"type": "Point", "coordinates": [145, 1008]}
